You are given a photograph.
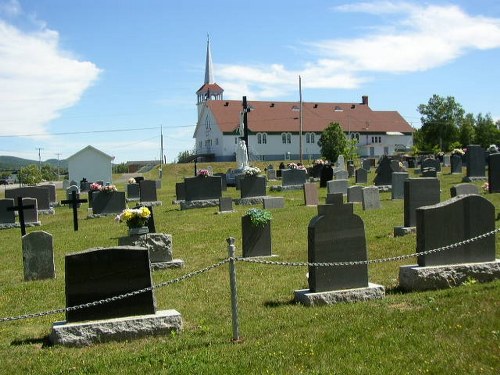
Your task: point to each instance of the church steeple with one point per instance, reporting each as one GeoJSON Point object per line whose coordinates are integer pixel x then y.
{"type": "Point", "coordinates": [210, 90]}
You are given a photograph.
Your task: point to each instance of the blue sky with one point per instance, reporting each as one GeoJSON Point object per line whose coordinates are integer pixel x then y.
{"type": "Point", "coordinates": [110, 72]}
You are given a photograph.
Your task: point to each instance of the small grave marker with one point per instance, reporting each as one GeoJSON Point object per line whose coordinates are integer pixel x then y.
{"type": "Point", "coordinates": [74, 202]}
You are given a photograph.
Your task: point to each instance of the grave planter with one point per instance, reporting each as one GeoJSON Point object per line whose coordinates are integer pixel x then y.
{"type": "Point", "coordinates": [256, 239]}
{"type": "Point", "coordinates": [136, 231]}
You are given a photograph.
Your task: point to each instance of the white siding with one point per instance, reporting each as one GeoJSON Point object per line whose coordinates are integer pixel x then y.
{"type": "Point", "coordinates": [91, 164]}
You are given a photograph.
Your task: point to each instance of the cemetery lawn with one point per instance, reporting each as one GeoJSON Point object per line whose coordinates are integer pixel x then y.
{"type": "Point", "coordinates": [453, 331]}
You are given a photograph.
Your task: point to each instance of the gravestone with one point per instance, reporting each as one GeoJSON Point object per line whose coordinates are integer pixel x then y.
{"type": "Point", "coordinates": [65, 184]}
{"type": "Point", "coordinates": [270, 203]}
{"type": "Point", "coordinates": [31, 214]}
{"type": "Point", "coordinates": [52, 193]}
{"type": "Point", "coordinates": [24, 207]}
{"type": "Point", "coordinates": [383, 172]}
{"type": "Point", "coordinates": [252, 186]}
{"type": "Point", "coordinates": [202, 188]}
{"type": "Point", "coordinates": [446, 160]}
{"type": "Point", "coordinates": [494, 173]}
{"type": "Point", "coordinates": [366, 164]}
{"type": "Point", "coordinates": [467, 217]}
{"type": "Point", "coordinates": [38, 256]}
{"type": "Point", "coordinates": [256, 240]}
{"type": "Point", "coordinates": [337, 200]}
{"type": "Point", "coordinates": [97, 274]}
{"type": "Point", "coordinates": [475, 163]}
{"type": "Point", "coordinates": [337, 186]}
{"type": "Point", "coordinates": [419, 192]}
{"type": "Point", "coordinates": [371, 198]}
{"type": "Point", "coordinates": [293, 177]}
{"type": "Point", "coordinates": [180, 191]}
{"type": "Point", "coordinates": [133, 192]}
{"type": "Point", "coordinates": [76, 189]}
{"type": "Point", "coordinates": [337, 235]}
{"type": "Point", "coordinates": [355, 194]}
{"type": "Point", "coordinates": [40, 194]}
{"type": "Point", "coordinates": [396, 166]}
{"type": "Point", "coordinates": [138, 179]}
{"type": "Point", "coordinates": [7, 217]}
{"type": "Point", "coordinates": [311, 194]}
{"type": "Point", "coordinates": [148, 191]}
{"type": "Point", "coordinates": [271, 174]}
{"type": "Point", "coordinates": [350, 170]}
{"type": "Point", "coordinates": [223, 180]}
{"type": "Point", "coordinates": [361, 176]}
{"type": "Point", "coordinates": [107, 203]}
{"type": "Point", "coordinates": [73, 183]}
{"type": "Point", "coordinates": [429, 167]}
{"type": "Point", "coordinates": [463, 189]}
{"type": "Point", "coordinates": [326, 175]}
{"type": "Point", "coordinates": [340, 163]}
{"type": "Point", "coordinates": [398, 179]}
{"type": "Point", "coordinates": [456, 164]}
{"type": "Point", "coordinates": [340, 175]}
{"type": "Point", "coordinates": [316, 170]}
{"type": "Point", "coordinates": [225, 204]}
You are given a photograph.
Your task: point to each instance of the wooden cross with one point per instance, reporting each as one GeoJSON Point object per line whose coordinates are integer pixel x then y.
{"type": "Point", "coordinates": [73, 202]}
{"type": "Point", "coordinates": [20, 208]}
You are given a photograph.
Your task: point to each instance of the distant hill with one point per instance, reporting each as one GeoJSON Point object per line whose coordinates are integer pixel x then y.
{"type": "Point", "coordinates": [14, 163]}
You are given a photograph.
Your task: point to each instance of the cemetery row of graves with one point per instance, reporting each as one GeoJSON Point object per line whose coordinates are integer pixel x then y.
{"type": "Point", "coordinates": [320, 220]}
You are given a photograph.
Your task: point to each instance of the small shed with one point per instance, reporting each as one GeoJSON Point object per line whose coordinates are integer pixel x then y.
{"type": "Point", "coordinates": [91, 164]}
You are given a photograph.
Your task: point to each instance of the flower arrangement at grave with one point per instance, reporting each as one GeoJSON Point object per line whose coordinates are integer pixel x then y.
{"type": "Point", "coordinates": [259, 217]}
{"type": "Point", "coordinates": [104, 188]}
{"type": "Point", "coordinates": [131, 180]}
{"type": "Point", "coordinates": [251, 171]}
{"type": "Point", "coordinates": [458, 151]}
{"type": "Point", "coordinates": [296, 166]}
{"type": "Point", "coordinates": [134, 217]}
{"type": "Point", "coordinates": [203, 173]}
{"type": "Point", "coordinates": [319, 162]}
{"type": "Point", "coordinates": [486, 187]}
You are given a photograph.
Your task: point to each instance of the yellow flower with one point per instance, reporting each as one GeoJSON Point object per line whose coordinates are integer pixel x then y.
{"type": "Point", "coordinates": [145, 212]}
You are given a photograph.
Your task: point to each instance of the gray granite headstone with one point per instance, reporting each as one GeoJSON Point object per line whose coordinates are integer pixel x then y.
{"type": "Point", "coordinates": [340, 163]}
{"type": "Point", "coordinates": [202, 188]}
{"type": "Point", "coordinates": [291, 177]}
{"type": "Point", "coordinates": [76, 189]}
{"type": "Point", "coordinates": [38, 256]}
{"type": "Point", "coordinates": [475, 161]}
{"type": "Point", "coordinates": [456, 164]}
{"type": "Point", "coordinates": [147, 191]}
{"type": "Point", "coordinates": [383, 172]}
{"type": "Point", "coordinates": [398, 190]}
{"type": "Point", "coordinates": [446, 160]}
{"type": "Point", "coordinates": [463, 189]}
{"type": "Point", "coordinates": [7, 217]}
{"type": "Point", "coordinates": [52, 193]}
{"type": "Point", "coordinates": [253, 186]}
{"type": "Point", "coordinates": [271, 174]}
{"type": "Point", "coordinates": [31, 214]}
{"type": "Point", "coordinates": [361, 176]}
{"type": "Point", "coordinates": [133, 192]}
{"type": "Point", "coordinates": [336, 235]}
{"type": "Point", "coordinates": [337, 200]}
{"type": "Point", "coordinates": [65, 184]}
{"type": "Point", "coordinates": [371, 198]}
{"type": "Point", "coordinates": [256, 240]}
{"type": "Point", "coordinates": [270, 203]}
{"type": "Point", "coordinates": [311, 194]}
{"type": "Point", "coordinates": [340, 175]}
{"type": "Point", "coordinates": [326, 175]}
{"type": "Point", "coordinates": [396, 167]}
{"type": "Point", "coordinates": [223, 180]}
{"type": "Point", "coordinates": [104, 203]}
{"type": "Point", "coordinates": [40, 194]}
{"type": "Point", "coordinates": [366, 164]}
{"type": "Point", "coordinates": [355, 194]}
{"type": "Point", "coordinates": [465, 217]}
{"type": "Point", "coordinates": [419, 192]}
{"type": "Point", "coordinates": [337, 186]}
{"type": "Point", "coordinates": [97, 274]}
{"type": "Point", "coordinates": [494, 173]}
{"type": "Point", "coordinates": [225, 204]}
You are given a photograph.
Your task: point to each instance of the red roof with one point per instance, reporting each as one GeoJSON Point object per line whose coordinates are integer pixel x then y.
{"type": "Point", "coordinates": [213, 87]}
{"type": "Point", "coordinates": [280, 116]}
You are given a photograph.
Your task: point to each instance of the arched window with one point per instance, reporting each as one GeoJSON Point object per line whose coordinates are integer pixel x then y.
{"type": "Point", "coordinates": [310, 137]}
{"type": "Point", "coordinates": [261, 138]}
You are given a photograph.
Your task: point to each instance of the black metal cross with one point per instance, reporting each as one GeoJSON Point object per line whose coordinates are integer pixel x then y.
{"type": "Point", "coordinates": [73, 202]}
{"type": "Point", "coordinates": [20, 208]}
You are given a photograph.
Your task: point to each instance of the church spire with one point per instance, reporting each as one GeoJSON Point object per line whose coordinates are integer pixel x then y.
{"type": "Point", "coordinates": [209, 69]}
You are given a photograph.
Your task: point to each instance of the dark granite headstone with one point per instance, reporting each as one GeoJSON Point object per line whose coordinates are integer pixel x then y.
{"type": "Point", "coordinates": [225, 204]}
{"type": "Point", "coordinates": [311, 194]}
{"type": "Point", "coordinates": [256, 239]}
{"type": "Point", "coordinates": [465, 217]}
{"type": "Point", "coordinates": [271, 174]}
{"type": "Point", "coordinates": [7, 216]}
{"type": "Point", "coordinates": [494, 173]}
{"type": "Point", "coordinates": [326, 175]}
{"type": "Point", "coordinates": [371, 198]}
{"type": "Point", "coordinates": [202, 188]}
{"type": "Point", "coordinates": [316, 170]}
{"type": "Point", "coordinates": [475, 161]}
{"type": "Point", "coordinates": [456, 164]}
{"type": "Point", "coordinates": [463, 189]}
{"type": "Point", "coordinates": [355, 194]}
{"type": "Point", "coordinates": [148, 191]}
{"type": "Point", "coordinates": [398, 190]}
{"type": "Point", "coordinates": [52, 193]}
{"type": "Point", "coordinates": [138, 179]}
{"type": "Point", "coordinates": [38, 256]}
{"type": "Point", "coordinates": [367, 164]}
{"type": "Point", "coordinates": [396, 167]}
{"type": "Point", "coordinates": [350, 170]}
{"type": "Point", "coordinates": [133, 192]}
{"type": "Point", "coordinates": [291, 177]}
{"type": "Point", "coordinates": [383, 172]}
{"type": "Point", "coordinates": [31, 214]}
{"type": "Point", "coordinates": [336, 235]}
{"type": "Point", "coordinates": [253, 186]}
{"type": "Point", "coordinates": [180, 191]}
{"type": "Point", "coordinates": [419, 192]}
{"type": "Point", "coordinates": [97, 274]}
{"type": "Point", "coordinates": [361, 176]}
{"type": "Point", "coordinates": [429, 167]}
{"type": "Point", "coordinates": [222, 180]}
{"type": "Point", "coordinates": [104, 203]}
{"type": "Point", "coordinates": [40, 194]}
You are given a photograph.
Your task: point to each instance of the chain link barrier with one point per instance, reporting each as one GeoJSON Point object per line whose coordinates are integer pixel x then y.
{"type": "Point", "coordinates": [247, 260]}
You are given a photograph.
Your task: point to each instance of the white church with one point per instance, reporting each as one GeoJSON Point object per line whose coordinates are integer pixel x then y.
{"type": "Point", "coordinates": [274, 127]}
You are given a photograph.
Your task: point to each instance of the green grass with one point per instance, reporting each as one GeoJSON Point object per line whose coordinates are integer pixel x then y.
{"type": "Point", "coordinates": [438, 332]}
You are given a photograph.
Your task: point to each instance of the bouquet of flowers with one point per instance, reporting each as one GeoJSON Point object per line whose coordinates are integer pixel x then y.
{"type": "Point", "coordinates": [458, 151]}
{"type": "Point", "coordinates": [251, 171]}
{"type": "Point", "coordinates": [104, 188]}
{"type": "Point", "coordinates": [94, 186]}
{"type": "Point", "coordinates": [203, 173]}
{"type": "Point", "coordinates": [131, 180]}
{"type": "Point", "coordinates": [134, 217]}
{"type": "Point", "coordinates": [319, 162]}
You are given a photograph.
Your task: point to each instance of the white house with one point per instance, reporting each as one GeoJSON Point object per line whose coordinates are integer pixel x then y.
{"type": "Point", "coordinates": [91, 164]}
{"type": "Point", "coordinates": [274, 128]}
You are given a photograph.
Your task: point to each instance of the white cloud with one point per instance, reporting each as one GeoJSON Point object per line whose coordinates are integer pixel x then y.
{"type": "Point", "coordinates": [417, 38]}
{"type": "Point", "coordinates": [37, 79]}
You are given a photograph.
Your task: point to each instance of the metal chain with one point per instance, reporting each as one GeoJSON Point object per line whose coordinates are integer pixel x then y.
{"type": "Point", "coordinates": [370, 261]}
{"type": "Point", "coordinates": [115, 298]}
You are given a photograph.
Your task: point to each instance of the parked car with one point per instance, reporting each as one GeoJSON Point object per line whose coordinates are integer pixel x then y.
{"type": "Point", "coordinates": [5, 181]}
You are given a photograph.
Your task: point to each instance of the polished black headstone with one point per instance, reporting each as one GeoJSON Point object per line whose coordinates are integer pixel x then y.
{"type": "Point", "coordinates": [384, 172]}
{"type": "Point", "coordinates": [253, 186]}
{"type": "Point", "coordinates": [456, 164]}
{"type": "Point", "coordinates": [147, 191]}
{"type": "Point", "coordinates": [108, 202]}
{"type": "Point", "coordinates": [326, 175]}
{"type": "Point", "coordinates": [361, 176]}
{"type": "Point", "coordinates": [202, 188]}
{"type": "Point", "coordinates": [494, 173]}
{"type": "Point", "coordinates": [419, 192]}
{"type": "Point", "coordinates": [475, 161]}
{"type": "Point", "coordinates": [256, 239]}
{"type": "Point", "coordinates": [291, 177]}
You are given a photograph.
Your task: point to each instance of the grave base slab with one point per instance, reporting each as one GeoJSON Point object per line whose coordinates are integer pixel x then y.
{"type": "Point", "coordinates": [474, 178]}
{"type": "Point", "coordinates": [151, 203]}
{"type": "Point", "coordinates": [119, 329]}
{"type": "Point", "coordinates": [186, 205]}
{"type": "Point", "coordinates": [403, 231]}
{"type": "Point", "coordinates": [286, 187]}
{"type": "Point", "coordinates": [415, 278]}
{"type": "Point", "coordinates": [174, 263]}
{"type": "Point", "coordinates": [373, 291]}
{"type": "Point", "coordinates": [249, 201]}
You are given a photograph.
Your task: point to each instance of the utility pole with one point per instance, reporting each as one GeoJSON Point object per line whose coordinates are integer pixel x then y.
{"type": "Point", "coordinates": [58, 155]}
{"type": "Point", "coordinates": [39, 158]}
{"type": "Point", "coordinates": [301, 119]}
{"type": "Point", "coordinates": [161, 151]}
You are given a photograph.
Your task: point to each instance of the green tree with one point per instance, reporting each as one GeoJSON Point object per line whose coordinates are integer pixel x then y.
{"type": "Point", "coordinates": [467, 131]}
{"type": "Point", "coordinates": [49, 173]}
{"type": "Point", "coordinates": [332, 142]}
{"type": "Point", "coordinates": [486, 131]}
{"type": "Point", "coordinates": [184, 155]}
{"type": "Point", "coordinates": [441, 118]}
{"type": "Point", "coordinates": [351, 149]}
{"type": "Point", "coordinates": [30, 175]}
{"type": "Point", "coordinates": [120, 168]}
